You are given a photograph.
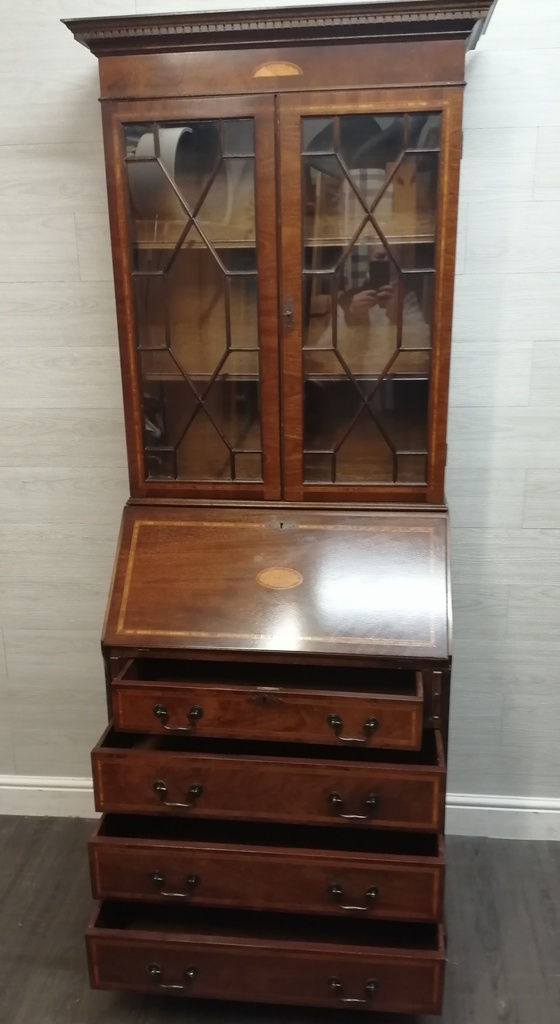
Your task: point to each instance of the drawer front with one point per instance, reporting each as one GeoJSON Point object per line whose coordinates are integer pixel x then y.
{"type": "Point", "coordinates": [271, 789]}
{"type": "Point", "coordinates": [313, 882]}
{"type": "Point", "coordinates": [399, 981]}
{"type": "Point", "coordinates": [271, 713]}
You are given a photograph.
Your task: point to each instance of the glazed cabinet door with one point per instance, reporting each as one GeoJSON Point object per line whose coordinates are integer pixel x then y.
{"type": "Point", "coordinates": [368, 189]}
{"type": "Point", "coordinates": [192, 195]}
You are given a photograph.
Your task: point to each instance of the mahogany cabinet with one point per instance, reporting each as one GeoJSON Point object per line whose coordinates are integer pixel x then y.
{"type": "Point", "coordinates": [283, 201]}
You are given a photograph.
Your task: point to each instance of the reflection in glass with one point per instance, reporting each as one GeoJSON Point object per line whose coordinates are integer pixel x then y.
{"type": "Point", "coordinates": [318, 467]}
{"type": "Point", "coordinates": [238, 137]}
{"type": "Point", "coordinates": [368, 292]}
{"type": "Point", "coordinates": [161, 464]}
{"type": "Point", "coordinates": [317, 134]}
{"type": "Point", "coordinates": [192, 224]}
{"type": "Point", "coordinates": [248, 466]}
{"type": "Point", "coordinates": [244, 328]}
{"type": "Point", "coordinates": [412, 468]}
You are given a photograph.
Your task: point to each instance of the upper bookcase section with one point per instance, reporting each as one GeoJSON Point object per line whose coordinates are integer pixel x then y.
{"type": "Point", "coordinates": [284, 26]}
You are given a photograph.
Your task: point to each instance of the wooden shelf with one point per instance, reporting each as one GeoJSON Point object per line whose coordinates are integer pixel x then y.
{"type": "Point", "coordinates": [398, 229]}
{"type": "Point", "coordinates": [164, 234]}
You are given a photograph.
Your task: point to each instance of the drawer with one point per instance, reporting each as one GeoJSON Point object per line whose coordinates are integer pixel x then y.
{"type": "Point", "coordinates": [312, 785]}
{"type": "Point", "coordinates": [359, 965]}
{"type": "Point", "coordinates": [390, 875]}
{"type": "Point", "coordinates": [320, 705]}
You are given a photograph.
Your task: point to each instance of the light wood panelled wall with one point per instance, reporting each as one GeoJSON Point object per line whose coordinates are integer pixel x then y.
{"type": "Point", "coordinates": [63, 474]}
{"type": "Point", "coordinates": [62, 456]}
{"type": "Point", "coordinates": [504, 457]}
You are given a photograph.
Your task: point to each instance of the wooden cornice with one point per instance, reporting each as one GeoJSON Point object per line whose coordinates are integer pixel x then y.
{"type": "Point", "coordinates": [287, 26]}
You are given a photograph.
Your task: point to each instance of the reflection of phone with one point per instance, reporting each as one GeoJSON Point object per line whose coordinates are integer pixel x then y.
{"type": "Point", "coordinates": [379, 274]}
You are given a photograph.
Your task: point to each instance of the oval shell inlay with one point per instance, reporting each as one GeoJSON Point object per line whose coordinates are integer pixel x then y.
{"type": "Point", "coordinates": [279, 578]}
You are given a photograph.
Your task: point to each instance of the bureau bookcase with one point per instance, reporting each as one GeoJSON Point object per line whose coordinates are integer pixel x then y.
{"type": "Point", "coordinates": [283, 193]}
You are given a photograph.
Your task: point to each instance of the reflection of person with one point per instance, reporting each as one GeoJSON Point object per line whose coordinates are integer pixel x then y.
{"type": "Point", "coordinates": [367, 325]}
{"type": "Point", "coordinates": [378, 307]}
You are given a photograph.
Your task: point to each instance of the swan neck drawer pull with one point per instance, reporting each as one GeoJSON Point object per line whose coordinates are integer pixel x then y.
{"type": "Point", "coordinates": [194, 714]}
{"type": "Point", "coordinates": [155, 972]}
{"type": "Point", "coordinates": [191, 882]}
{"type": "Point", "coordinates": [337, 988]}
{"type": "Point", "coordinates": [369, 727]}
{"type": "Point", "coordinates": [370, 897]}
{"type": "Point", "coordinates": [193, 792]}
{"type": "Point", "coordinates": [337, 803]}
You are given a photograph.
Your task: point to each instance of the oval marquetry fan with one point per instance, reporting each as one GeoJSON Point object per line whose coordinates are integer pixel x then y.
{"type": "Point", "coordinates": [276, 68]}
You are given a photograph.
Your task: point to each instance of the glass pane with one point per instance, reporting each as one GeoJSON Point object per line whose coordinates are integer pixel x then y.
{"type": "Point", "coordinates": [154, 412]}
{"type": "Point", "coordinates": [412, 217]}
{"type": "Point", "coordinates": [418, 306]}
{"type": "Point", "coordinates": [322, 182]}
{"type": "Point", "coordinates": [411, 469]}
{"type": "Point", "coordinates": [244, 327]}
{"type": "Point", "coordinates": [401, 407]}
{"type": "Point", "coordinates": [196, 310]}
{"type": "Point", "coordinates": [161, 465]}
{"type": "Point", "coordinates": [169, 405]}
{"type": "Point", "coordinates": [202, 453]}
{"type": "Point", "coordinates": [370, 140]}
{"type": "Point", "coordinates": [318, 135]}
{"type": "Point", "coordinates": [248, 466]}
{"type": "Point", "coordinates": [193, 232]}
{"type": "Point", "coordinates": [330, 404]}
{"type": "Point", "coordinates": [424, 131]}
{"type": "Point", "coordinates": [364, 454]}
{"type": "Point", "coordinates": [318, 467]}
{"type": "Point", "coordinates": [158, 365]}
{"type": "Point", "coordinates": [191, 156]}
{"type": "Point", "coordinates": [149, 294]}
{"type": "Point", "coordinates": [227, 214]}
{"type": "Point", "coordinates": [238, 137]}
{"type": "Point", "coordinates": [132, 135]}
{"type": "Point", "coordinates": [370, 193]}
{"type": "Point", "coordinates": [158, 215]}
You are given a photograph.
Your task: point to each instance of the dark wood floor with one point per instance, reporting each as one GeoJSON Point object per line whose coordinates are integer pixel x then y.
{"type": "Point", "coordinates": [503, 912]}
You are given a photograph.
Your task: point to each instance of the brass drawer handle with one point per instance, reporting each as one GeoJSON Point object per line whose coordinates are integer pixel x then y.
{"type": "Point", "coordinates": [369, 727]}
{"type": "Point", "coordinates": [370, 988]}
{"type": "Point", "coordinates": [162, 714]}
{"type": "Point", "coordinates": [193, 792]}
{"type": "Point", "coordinates": [191, 882]}
{"type": "Point", "coordinates": [155, 972]}
{"type": "Point", "coordinates": [337, 803]}
{"type": "Point", "coordinates": [370, 896]}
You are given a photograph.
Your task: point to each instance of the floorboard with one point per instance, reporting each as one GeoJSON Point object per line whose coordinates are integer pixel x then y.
{"type": "Point", "coordinates": [503, 920]}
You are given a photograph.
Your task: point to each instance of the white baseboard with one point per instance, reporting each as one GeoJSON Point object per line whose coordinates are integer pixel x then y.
{"type": "Point", "coordinates": [502, 817]}
{"type": "Point", "coordinates": [42, 795]}
{"type": "Point", "coordinates": [468, 814]}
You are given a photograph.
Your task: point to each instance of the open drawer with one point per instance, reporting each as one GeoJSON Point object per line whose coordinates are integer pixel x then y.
{"type": "Point", "coordinates": [361, 965]}
{"type": "Point", "coordinates": [306, 704]}
{"type": "Point", "coordinates": [298, 869]}
{"type": "Point", "coordinates": [284, 783]}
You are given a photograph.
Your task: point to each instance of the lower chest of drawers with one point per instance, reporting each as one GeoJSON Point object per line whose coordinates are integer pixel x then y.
{"type": "Point", "coordinates": [266, 842]}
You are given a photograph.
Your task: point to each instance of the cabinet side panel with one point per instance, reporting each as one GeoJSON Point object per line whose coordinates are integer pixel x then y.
{"type": "Point", "coordinates": [452, 136]}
